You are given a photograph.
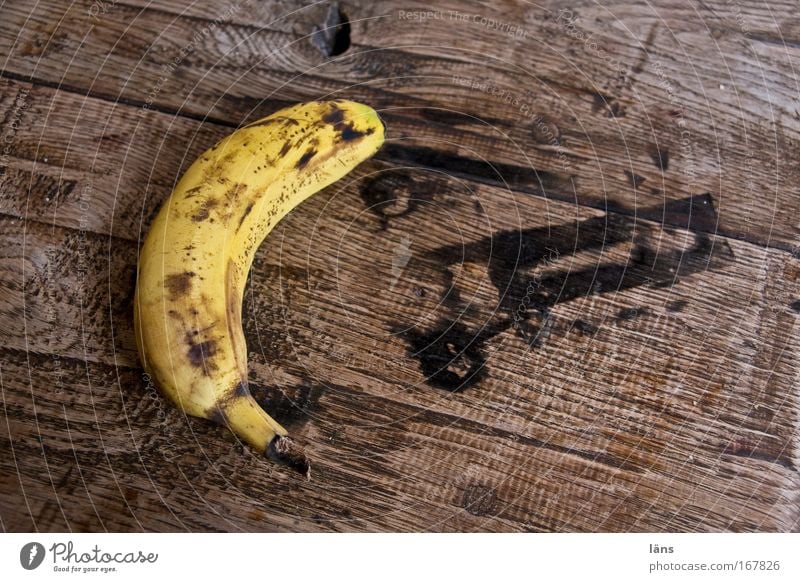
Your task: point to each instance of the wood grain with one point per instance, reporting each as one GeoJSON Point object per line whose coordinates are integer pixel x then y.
{"type": "Point", "coordinates": [649, 383]}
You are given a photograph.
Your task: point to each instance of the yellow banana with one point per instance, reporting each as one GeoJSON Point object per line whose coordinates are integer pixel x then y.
{"type": "Point", "coordinates": [196, 257]}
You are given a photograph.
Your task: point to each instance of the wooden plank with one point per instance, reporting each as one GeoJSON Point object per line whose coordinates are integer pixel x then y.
{"type": "Point", "coordinates": [66, 292]}
{"type": "Point", "coordinates": [747, 17]}
{"type": "Point", "coordinates": [398, 462]}
{"type": "Point", "coordinates": [74, 163]}
{"type": "Point", "coordinates": [670, 113]}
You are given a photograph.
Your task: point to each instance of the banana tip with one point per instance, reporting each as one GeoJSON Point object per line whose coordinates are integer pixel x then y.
{"type": "Point", "coordinates": [284, 451]}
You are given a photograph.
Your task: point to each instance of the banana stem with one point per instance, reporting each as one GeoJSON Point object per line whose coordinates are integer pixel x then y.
{"type": "Point", "coordinates": [248, 420]}
{"type": "Point", "coordinates": [283, 450]}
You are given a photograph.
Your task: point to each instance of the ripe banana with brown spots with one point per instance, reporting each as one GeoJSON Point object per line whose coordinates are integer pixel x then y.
{"type": "Point", "coordinates": [196, 257]}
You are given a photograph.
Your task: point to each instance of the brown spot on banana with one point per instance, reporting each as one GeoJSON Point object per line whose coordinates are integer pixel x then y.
{"type": "Point", "coordinates": [335, 117]}
{"type": "Point", "coordinates": [226, 400]}
{"type": "Point", "coordinates": [246, 212]}
{"type": "Point", "coordinates": [179, 284]}
{"type": "Point", "coordinates": [350, 133]}
{"type": "Point", "coordinates": [287, 147]}
{"type": "Point", "coordinates": [192, 192]}
{"type": "Point", "coordinates": [233, 306]}
{"type": "Point", "coordinates": [201, 355]}
{"type": "Point", "coordinates": [233, 193]}
{"type": "Point", "coordinates": [305, 158]}
{"type": "Point", "coordinates": [347, 131]}
{"type": "Point", "coordinates": [241, 389]}
{"type": "Point", "coordinates": [204, 211]}
{"type": "Point", "coordinates": [201, 214]}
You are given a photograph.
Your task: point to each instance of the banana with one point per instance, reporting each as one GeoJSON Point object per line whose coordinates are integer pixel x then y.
{"type": "Point", "coordinates": [196, 257]}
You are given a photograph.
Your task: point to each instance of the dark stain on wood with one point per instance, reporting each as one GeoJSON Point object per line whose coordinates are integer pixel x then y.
{"type": "Point", "coordinates": [659, 155]}
{"type": "Point", "coordinates": [291, 406]}
{"type": "Point", "coordinates": [268, 121]}
{"type": "Point", "coordinates": [611, 204]}
{"type": "Point", "coordinates": [612, 106]}
{"type": "Point", "coordinates": [479, 500]}
{"type": "Point", "coordinates": [451, 356]}
{"type": "Point", "coordinates": [131, 495]}
{"type": "Point", "coordinates": [746, 449]}
{"type": "Point", "coordinates": [677, 306]}
{"type": "Point", "coordinates": [629, 313]}
{"type": "Point", "coordinates": [599, 102]}
{"type": "Point", "coordinates": [696, 213]}
{"type": "Point", "coordinates": [41, 188]}
{"type": "Point", "coordinates": [504, 175]}
{"type": "Point", "coordinates": [584, 327]}
{"type": "Point", "coordinates": [635, 179]}
{"type": "Point", "coordinates": [445, 117]}
{"type": "Point", "coordinates": [795, 306]}
{"type": "Point", "coordinates": [392, 195]}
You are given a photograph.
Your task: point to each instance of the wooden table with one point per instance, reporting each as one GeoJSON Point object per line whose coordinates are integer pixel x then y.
{"type": "Point", "coordinates": [563, 297]}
